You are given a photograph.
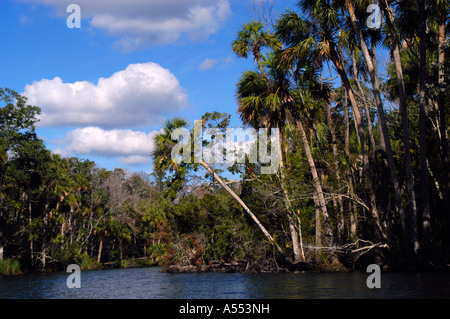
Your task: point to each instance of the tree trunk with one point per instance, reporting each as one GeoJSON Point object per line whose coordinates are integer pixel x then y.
{"type": "Point", "coordinates": [2, 235]}
{"type": "Point", "coordinates": [121, 249]}
{"type": "Point", "coordinates": [389, 17]}
{"type": "Point", "coordinates": [346, 124]}
{"type": "Point", "coordinates": [341, 219]}
{"type": "Point", "coordinates": [100, 248]}
{"type": "Point", "coordinates": [360, 130]}
{"type": "Point", "coordinates": [318, 227]}
{"type": "Point", "coordinates": [317, 185]}
{"type": "Point", "coordinates": [296, 248]}
{"type": "Point", "coordinates": [423, 135]}
{"type": "Point", "coordinates": [441, 103]}
{"type": "Point", "coordinates": [255, 219]}
{"type": "Point", "coordinates": [366, 108]}
{"type": "Point", "coordinates": [63, 226]}
{"type": "Point", "coordinates": [354, 105]}
{"type": "Point", "coordinates": [30, 221]}
{"type": "Point", "coordinates": [371, 66]}
{"type": "Point", "coordinates": [294, 234]}
{"type": "Point", "coordinates": [1, 244]}
{"type": "Point", "coordinates": [44, 235]}
{"type": "Point", "coordinates": [300, 237]}
{"type": "Point", "coordinates": [352, 208]}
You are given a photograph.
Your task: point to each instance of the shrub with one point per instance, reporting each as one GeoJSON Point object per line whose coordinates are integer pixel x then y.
{"type": "Point", "coordinates": [88, 263]}
{"type": "Point", "coordinates": [9, 267]}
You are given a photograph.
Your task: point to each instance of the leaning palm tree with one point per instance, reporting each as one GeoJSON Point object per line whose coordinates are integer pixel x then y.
{"type": "Point", "coordinates": [162, 155]}
{"type": "Point", "coordinates": [260, 106]}
{"type": "Point", "coordinates": [163, 160]}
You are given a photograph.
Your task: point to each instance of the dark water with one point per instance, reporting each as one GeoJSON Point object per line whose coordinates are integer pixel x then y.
{"type": "Point", "coordinates": [151, 283]}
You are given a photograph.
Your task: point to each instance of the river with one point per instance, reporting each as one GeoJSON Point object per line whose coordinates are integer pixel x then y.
{"type": "Point", "coordinates": [151, 283]}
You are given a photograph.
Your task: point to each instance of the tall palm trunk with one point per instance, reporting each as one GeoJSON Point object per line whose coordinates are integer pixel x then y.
{"type": "Point", "coordinates": [336, 169]}
{"type": "Point", "coordinates": [361, 135]}
{"type": "Point", "coordinates": [366, 108]}
{"type": "Point", "coordinates": [2, 225]}
{"type": "Point", "coordinates": [395, 42]}
{"type": "Point", "coordinates": [424, 183]}
{"type": "Point", "coordinates": [351, 208]}
{"type": "Point", "coordinates": [441, 105]}
{"type": "Point", "coordinates": [371, 66]}
{"type": "Point", "coordinates": [295, 236]}
{"type": "Point", "coordinates": [318, 187]}
{"type": "Point", "coordinates": [44, 237]}
{"type": "Point", "coordinates": [236, 197]}
{"type": "Point", "coordinates": [257, 56]}
{"type": "Point", "coordinates": [30, 221]}
{"type": "Point", "coordinates": [442, 115]}
{"type": "Point", "coordinates": [354, 105]}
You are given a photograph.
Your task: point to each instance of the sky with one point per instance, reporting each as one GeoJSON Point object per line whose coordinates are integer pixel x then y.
{"type": "Point", "coordinates": [106, 88]}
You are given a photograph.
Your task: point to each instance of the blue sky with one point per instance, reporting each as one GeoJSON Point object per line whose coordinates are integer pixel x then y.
{"type": "Point", "coordinates": [105, 88]}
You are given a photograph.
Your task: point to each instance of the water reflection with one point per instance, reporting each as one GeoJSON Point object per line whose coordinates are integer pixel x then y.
{"type": "Point", "coordinates": [151, 283]}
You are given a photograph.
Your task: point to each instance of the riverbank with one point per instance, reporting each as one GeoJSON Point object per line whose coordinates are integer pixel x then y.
{"type": "Point", "coordinates": [332, 266]}
{"type": "Point", "coordinates": [252, 267]}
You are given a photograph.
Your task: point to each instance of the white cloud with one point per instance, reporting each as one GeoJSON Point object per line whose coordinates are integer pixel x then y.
{"type": "Point", "coordinates": [138, 96]}
{"type": "Point", "coordinates": [127, 146]}
{"type": "Point", "coordinates": [207, 64]}
{"type": "Point", "coordinates": [134, 160]}
{"type": "Point", "coordinates": [141, 23]}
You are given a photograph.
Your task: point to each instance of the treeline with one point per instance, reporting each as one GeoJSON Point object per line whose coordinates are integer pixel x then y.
{"type": "Point", "coordinates": [57, 211]}
{"type": "Point", "coordinates": [364, 146]}
{"type": "Point", "coordinates": [363, 176]}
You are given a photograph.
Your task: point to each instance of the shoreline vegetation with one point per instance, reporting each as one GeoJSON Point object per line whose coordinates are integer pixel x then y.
{"type": "Point", "coordinates": [362, 150]}
{"type": "Point", "coordinates": [11, 267]}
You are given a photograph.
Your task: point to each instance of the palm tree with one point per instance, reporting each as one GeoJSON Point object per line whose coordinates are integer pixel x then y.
{"type": "Point", "coordinates": [386, 142]}
{"type": "Point", "coordinates": [252, 38]}
{"type": "Point", "coordinates": [442, 8]}
{"type": "Point", "coordinates": [162, 158]}
{"type": "Point", "coordinates": [389, 15]}
{"type": "Point", "coordinates": [423, 74]}
{"type": "Point", "coordinates": [318, 38]}
{"type": "Point", "coordinates": [273, 100]}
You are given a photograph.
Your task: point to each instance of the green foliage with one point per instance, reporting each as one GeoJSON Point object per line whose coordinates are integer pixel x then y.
{"type": "Point", "coordinates": [86, 262]}
{"type": "Point", "coordinates": [9, 266]}
{"type": "Point", "coordinates": [55, 211]}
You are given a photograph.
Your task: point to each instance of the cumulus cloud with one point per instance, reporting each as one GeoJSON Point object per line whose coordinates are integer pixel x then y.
{"type": "Point", "coordinates": [138, 96]}
{"type": "Point", "coordinates": [127, 146]}
{"type": "Point", "coordinates": [142, 22]}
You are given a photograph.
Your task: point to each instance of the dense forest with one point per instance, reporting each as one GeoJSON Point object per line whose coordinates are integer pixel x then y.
{"type": "Point", "coordinates": [362, 111]}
